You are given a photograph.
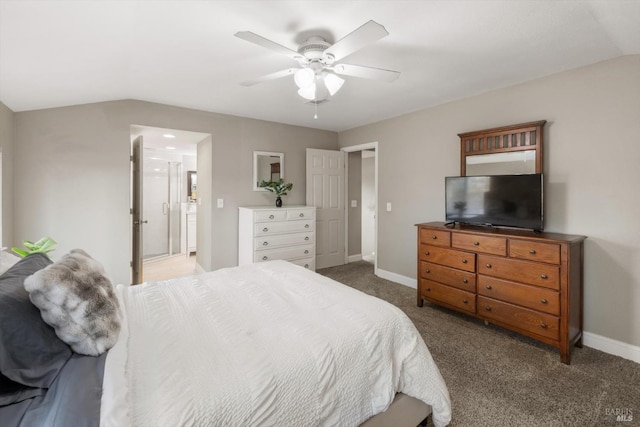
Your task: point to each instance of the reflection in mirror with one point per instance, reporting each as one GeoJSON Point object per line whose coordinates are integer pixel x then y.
{"type": "Point", "coordinates": [191, 185]}
{"type": "Point", "coordinates": [267, 166]}
{"type": "Point", "coordinates": [510, 163]}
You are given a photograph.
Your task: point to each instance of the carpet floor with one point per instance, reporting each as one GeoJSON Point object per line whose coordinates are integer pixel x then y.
{"type": "Point", "coordinates": [499, 378]}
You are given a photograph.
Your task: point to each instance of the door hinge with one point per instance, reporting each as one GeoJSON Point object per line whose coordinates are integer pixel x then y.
{"type": "Point", "coordinates": [130, 211]}
{"type": "Point", "coordinates": [131, 158]}
{"type": "Point", "coordinates": [131, 264]}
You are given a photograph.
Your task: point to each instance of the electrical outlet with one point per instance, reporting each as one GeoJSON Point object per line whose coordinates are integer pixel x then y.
{"type": "Point", "coordinates": [354, 203]}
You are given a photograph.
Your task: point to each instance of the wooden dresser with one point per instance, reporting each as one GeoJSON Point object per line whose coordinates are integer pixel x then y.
{"type": "Point", "coordinates": [268, 233]}
{"type": "Point", "coordinates": [524, 281]}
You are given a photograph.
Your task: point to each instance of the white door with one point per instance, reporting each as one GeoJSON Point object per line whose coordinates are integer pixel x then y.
{"type": "Point", "coordinates": [325, 186]}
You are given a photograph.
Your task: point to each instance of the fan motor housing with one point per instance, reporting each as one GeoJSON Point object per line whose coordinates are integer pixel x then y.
{"type": "Point", "coordinates": [314, 47]}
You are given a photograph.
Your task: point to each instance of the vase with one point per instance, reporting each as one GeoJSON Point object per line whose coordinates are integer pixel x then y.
{"type": "Point", "coordinates": [278, 202]}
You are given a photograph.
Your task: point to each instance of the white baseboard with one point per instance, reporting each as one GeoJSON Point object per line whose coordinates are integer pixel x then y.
{"type": "Point", "coordinates": [199, 269]}
{"type": "Point", "coordinates": [608, 345]}
{"type": "Point", "coordinates": [354, 258]}
{"type": "Point", "coordinates": [611, 346]}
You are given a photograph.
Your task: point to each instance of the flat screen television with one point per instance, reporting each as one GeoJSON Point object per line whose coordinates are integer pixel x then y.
{"type": "Point", "coordinates": [496, 200]}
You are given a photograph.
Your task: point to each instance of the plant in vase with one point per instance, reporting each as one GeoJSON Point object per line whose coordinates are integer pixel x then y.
{"type": "Point", "coordinates": [279, 187]}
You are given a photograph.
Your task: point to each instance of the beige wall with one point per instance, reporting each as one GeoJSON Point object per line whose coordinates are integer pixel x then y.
{"type": "Point", "coordinates": [71, 168]}
{"type": "Point", "coordinates": [6, 146]}
{"type": "Point", "coordinates": [591, 176]}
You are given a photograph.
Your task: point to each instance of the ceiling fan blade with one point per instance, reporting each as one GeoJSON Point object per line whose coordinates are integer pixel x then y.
{"type": "Point", "coordinates": [272, 76]}
{"type": "Point", "coordinates": [357, 39]}
{"type": "Point", "coordinates": [261, 41]}
{"type": "Point", "coordinates": [366, 72]}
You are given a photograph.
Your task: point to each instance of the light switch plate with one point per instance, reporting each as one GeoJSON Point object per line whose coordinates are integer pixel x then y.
{"type": "Point", "coordinates": [220, 203]}
{"type": "Point", "coordinates": [388, 206]}
{"type": "Point", "coordinates": [354, 203]}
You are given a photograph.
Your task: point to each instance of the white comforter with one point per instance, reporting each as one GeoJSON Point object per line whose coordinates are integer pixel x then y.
{"type": "Point", "coordinates": [269, 344]}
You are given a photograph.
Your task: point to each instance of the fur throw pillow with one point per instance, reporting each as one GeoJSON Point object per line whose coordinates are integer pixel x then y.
{"type": "Point", "coordinates": [77, 299]}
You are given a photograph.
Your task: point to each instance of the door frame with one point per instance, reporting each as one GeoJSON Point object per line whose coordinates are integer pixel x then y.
{"type": "Point", "coordinates": [351, 149]}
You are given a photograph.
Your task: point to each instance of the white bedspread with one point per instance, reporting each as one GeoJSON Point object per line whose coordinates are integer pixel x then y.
{"type": "Point", "coordinates": [268, 344]}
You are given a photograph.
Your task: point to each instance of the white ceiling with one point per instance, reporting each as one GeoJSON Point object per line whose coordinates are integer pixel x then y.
{"type": "Point", "coordinates": [184, 53]}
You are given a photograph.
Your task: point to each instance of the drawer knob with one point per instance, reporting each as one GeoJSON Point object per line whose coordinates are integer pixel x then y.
{"type": "Point", "coordinates": [306, 226]}
{"type": "Point", "coordinates": [488, 287]}
{"type": "Point", "coordinates": [465, 301]}
{"type": "Point", "coordinates": [265, 229]}
{"type": "Point", "coordinates": [543, 276]}
{"type": "Point", "coordinates": [426, 253]}
{"type": "Point", "coordinates": [264, 258]}
{"type": "Point", "coordinates": [427, 271]}
{"type": "Point", "coordinates": [543, 301]}
{"type": "Point", "coordinates": [427, 289]}
{"type": "Point", "coordinates": [543, 325]}
{"type": "Point", "coordinates": [265, 243]}
{"type": "Point", "coordinates": [301, 215]}
{"type": "Point", "coordinates": [488, 265]}
{"type": "Point", "coordinates": [434, 237]}
{"type": "Point", "coordinates": [465, 281]}
{"type": "Point", "coordinates": [306, 238]}
{"type": "Point", "coordinates": [271, 216]}
{"type": "Point", "coordinates": [476, 243]}
{"type": "Point", "coordinates": [488, 308]}
{"type": "Point", "coordinates": [306, 251]}
{"type": "Point", "coordinates": [306, 266]}
{"type": "Point", "coordinates": [532, 251]}
{"type": "Point", "coordinates": [464, 261]}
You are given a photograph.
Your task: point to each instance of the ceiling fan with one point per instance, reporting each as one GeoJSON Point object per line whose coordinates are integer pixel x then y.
{"type": "Point", "coordinates": [319, 62]}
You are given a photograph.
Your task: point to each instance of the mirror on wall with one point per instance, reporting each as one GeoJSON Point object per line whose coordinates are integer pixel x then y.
{"type": "Point", "coordinates": [267, 166]}
{"type": "Point", "coordinates": [192, 183]}
{"type": "Point", "coordinates": [512, 163]}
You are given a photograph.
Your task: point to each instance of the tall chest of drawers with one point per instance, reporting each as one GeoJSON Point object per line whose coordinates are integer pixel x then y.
{"type": "Point", "coordinates": [524, 281]}
{"type": "Point", "coordinates": [287, 233]}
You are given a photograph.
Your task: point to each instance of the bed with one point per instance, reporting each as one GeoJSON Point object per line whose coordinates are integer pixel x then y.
{"type": "Point", "coordinates": [268, 344]}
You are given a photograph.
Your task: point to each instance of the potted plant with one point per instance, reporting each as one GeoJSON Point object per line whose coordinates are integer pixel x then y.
{"type": "Point", "coordinates": [279, 187]}
{"type": "Point", "coordinates": [44, 246]}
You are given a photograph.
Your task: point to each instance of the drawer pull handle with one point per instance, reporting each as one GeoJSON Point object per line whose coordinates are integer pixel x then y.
{"type": "Point", "coordinates": [306, 251]}
{"type": "Point", "coordinates": [465, 301]}
{"type": "Point", "coordinates": [426, 253]}
{"type": "Point", "coordinates": [265, 229]}
{"type": "Point", "coordinates": [488, 287]}
{"type": "Point", "coordinates": [488, 265]}
{"type": "Point", "coordinates": [427, 271]}
{"type": "Point", "coordinates": [464, 261]}
{"type": "Point", "coordinates": [306, 226]}
{"type": "Point", "coordinates": [543, 276]}
{"type": "Point", "coordinates": [264, 258]}
{"type": "Point", "coordinates": [532, 251]}
{"type": "Point", "coordinates": [271, 216]}
{"type": "Point", "coordinates": [476, 243]}
{"type": "Point", "coordinates": [488, 308]}
{"type": "Point", "coordinates": [306, 266]}
{"type": "Point", "coordinates": [301, 215]}
{"type": "Point", "coordinates": [427, 289]}
{"type": "Point", "coordinates": [265, 243]}
{"type": "Point", "coordinates": [306, 238]}
{"type": "Point", "coordinates": [434, 237]}
{"type": "Point", "coordinates": [465, 281]}
{"type": "Point", "coordinates": [543, 301]}
{"type": "Point", "coordinates": [543, 325]}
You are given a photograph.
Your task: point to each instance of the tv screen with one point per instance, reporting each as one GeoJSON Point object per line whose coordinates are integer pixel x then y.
{"type": "Point", "coordinates": [500, 200]}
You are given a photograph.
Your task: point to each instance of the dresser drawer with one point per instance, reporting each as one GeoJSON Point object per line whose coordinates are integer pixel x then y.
{"type": "Point", "coordinates": [532, 273]}
{"type": "Point", "coordinates": [270, 215]}
{"type": "Point", "coordinates": [301, 213]}
{"type": "Point", "coordinates": [533, 297]}
{"type": "Point", "coordinates": [308, 263]}
{"type": "Point", "coordinates": [435, 237]}
{"type": "Point", "coordinates": [449, 276]}
{"type": "Point", "coordinates": [446, 294]}
{"type": "Point", "coordinates": [278, 240]}
{"type": "Point", "coordinates": [284, 227]}
{"type": "Point", "coordinates": [519, 317]}
{"type": "Point", "coordinates": [449, 257]}
{"type": "Point", "coordinates": [485, 244]}
{"type": "Point", "coordinates": [300, 251]}
{"type": "Point", "coordinates": [534, 251]}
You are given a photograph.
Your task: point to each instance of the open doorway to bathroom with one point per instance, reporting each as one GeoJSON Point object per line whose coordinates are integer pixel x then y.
{"type": "Point", "coordinates": [167, 247]}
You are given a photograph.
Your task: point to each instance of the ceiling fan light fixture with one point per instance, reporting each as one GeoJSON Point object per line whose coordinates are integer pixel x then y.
{"type": "Point", "coordinates": [304, 77]}
{"type": "Point", "coordinates": [308, 92]}
{"type": "Point", "coordinates": [333, 83]}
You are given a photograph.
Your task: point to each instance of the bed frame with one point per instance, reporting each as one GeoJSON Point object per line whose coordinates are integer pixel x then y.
{"type": "Point", "coordinates": [404, 411]}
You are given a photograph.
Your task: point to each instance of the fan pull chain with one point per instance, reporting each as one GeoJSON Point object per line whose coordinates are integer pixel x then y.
{"type": "Point", "coordinates": [315, 116]}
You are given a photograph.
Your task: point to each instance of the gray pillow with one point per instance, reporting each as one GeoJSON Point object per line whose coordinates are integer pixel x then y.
{"type": "Point", "coordinates": [79, 301]}
{"type": "Point", "coordinates": [13, 392]}
{"type": "Point", "coordinates": [30, 352]}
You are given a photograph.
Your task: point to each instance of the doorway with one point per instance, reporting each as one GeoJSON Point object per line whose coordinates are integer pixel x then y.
{"type": "Point", "coordinates": [361, 203]}
{"type": "Point", "coordinates": [165, 208]}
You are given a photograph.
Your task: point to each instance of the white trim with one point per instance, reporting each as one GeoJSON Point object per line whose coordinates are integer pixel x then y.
{"type": "Point", "coordinates": [398, 278]}
{"type": "Point", "coordinates": [350, 149]}
{"type": "Point", "coordinates": [199, 268]}
{"type": "Point", "coordinates": [589, 339]}
{"type": "Point", "coordinates": [354, 258]}
{"type": "Point", "coordinates": [611, 346]}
